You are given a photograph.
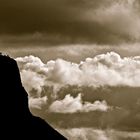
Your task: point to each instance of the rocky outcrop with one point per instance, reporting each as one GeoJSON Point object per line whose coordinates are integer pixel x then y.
{"type": "Point", "coordinates": [16, 121]}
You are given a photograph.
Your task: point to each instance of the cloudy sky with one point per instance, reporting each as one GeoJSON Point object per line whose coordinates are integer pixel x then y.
{"type": "Point", "coordinates": [49, 27]}
{"type": "Point", "coordinates": [53, 22]}
{"type": "Point", "coordinates": [63, 21]}
{"type": "Point", "coordinates": [98, 97]}
{"type": "Point", "coordinates": [78, 59]}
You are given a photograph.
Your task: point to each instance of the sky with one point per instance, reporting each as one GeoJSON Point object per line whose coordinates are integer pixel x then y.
{"type": "Point", "coordinates": [83, 28]}
{"type": "Point", "coordinates": [78, 58]}
{"type": "Point", "coordinates": [105, 88]}
{"type": "Point", "coordinates": [97, 98]}
{"type": "Point", "coordinates": [65, 21]}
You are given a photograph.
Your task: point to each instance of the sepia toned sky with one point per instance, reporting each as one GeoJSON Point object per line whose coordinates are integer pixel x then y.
{"type": "Point", "coordinates": [50, 29]}
{"type": "Point", "coordinates": [77, 58]}
{"type": "Point", "coordinates": [70, 21]}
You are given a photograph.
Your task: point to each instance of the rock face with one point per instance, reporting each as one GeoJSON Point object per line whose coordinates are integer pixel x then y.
{"type": "Point", "coordinates": [16, 121]}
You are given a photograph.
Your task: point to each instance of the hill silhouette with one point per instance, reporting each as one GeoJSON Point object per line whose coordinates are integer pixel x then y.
{"type": "Point", "coordinates": [16, 120]}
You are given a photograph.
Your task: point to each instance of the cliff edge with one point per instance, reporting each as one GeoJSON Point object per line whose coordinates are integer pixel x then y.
{"type": "Point", "coordinates": [16, 121]}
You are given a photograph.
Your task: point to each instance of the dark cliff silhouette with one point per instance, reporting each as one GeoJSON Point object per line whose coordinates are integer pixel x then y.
{"type": "Point", "coordinates": [16, 121]}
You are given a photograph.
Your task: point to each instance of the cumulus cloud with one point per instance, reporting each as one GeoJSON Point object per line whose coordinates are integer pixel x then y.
{"type": "Point", "coordinates": [109, 85]}
{"type": "Point", "coordinates": [32, 81]}
{"type": "Point", "coordinates": [72, 105]}
{"type": "Point", "coordinates": [30, 68]}
{"type": "Point", "coordinates": [37, 103]}
{"type": "Point", "coordinates": [56, 78]}
{"type": "Point", "coordinates": [105, 69]}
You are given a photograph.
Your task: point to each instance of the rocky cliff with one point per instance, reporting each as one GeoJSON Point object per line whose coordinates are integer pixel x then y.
{"type": "Point", "coordinates": [16, 121]}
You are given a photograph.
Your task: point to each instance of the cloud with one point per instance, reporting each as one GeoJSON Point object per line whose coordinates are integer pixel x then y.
{"type": "Point", "coordinates": [61, 81]}
{"type": "Point", "coordinates": [32, 81]}
{"type": "Point", "coordinates": [84, 134]}
{"type": "Point", "coordinates": [30, 68]}
{"type": "Point", "coordinates": [37, 103]}
{"type": "Point", "coordinates": [105, 69]}
{"type": "Point", "coordinates": [73, 105]}
{"type": "Point", "coordinates": [108, 85]}
{"type": "Point", "coordinates": [68, 21]}
{"type": "Point", "coordinates": [120, 18]}
{"type": "Point", "coordinates": [97, 134]}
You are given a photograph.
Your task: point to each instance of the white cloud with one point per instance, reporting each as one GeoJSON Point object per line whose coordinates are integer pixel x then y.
{"type": "Point", "coordinates": [32, 80]}
{"type": "Point", "coordinates": [105, 69]}
{"type": "Point", "coordinates": [31, 63]}
{"type": "Point", "coordinates": [71, 105]}
{"type": "Point", "coordinates": [108, 69]}
{"type": "Point", "coordinates": [37, 103]}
